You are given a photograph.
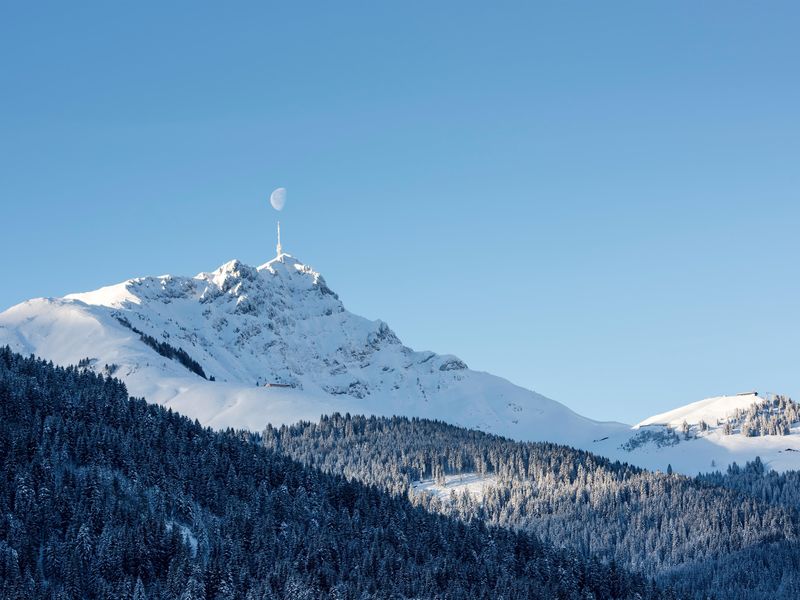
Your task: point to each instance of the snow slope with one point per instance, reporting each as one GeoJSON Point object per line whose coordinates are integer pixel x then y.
{"type": "Point", "coordinates": [275, 324]}
{"type": "Point", "coordinates": [709, 410]}
{"type": "Point", "coordinates": [473, 484]}
{"type": "Point", "coordinates": [660, 440]}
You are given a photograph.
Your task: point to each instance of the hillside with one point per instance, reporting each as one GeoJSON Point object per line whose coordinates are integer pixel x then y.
{"type": "Point", "coordinates": [654, 523]}
{"type": "Point", "coordinates": [109, 497]}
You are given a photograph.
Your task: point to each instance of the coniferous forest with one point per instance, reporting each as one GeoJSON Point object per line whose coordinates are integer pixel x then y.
{"type": "Point", "coordinates": [701, 536]}
{"type": "Point", "coordinates": [104, 496]}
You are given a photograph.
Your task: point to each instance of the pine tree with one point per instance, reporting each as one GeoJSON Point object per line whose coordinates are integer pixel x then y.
{"type": "Point", "coordinates": [138, 591]}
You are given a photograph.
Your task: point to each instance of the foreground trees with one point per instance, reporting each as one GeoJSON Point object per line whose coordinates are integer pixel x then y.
{"type": "Point", "coordinates": [107, 497]}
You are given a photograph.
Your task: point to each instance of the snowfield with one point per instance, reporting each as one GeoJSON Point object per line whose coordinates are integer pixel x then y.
{"type": "Point", "coordinates": [470, 483]}
{"type": "Point", "coordinates": [705, 446]}
{"type": "Point", "coordinates": [244, 346]}
{"type": "Point", "coordinates": [709, 410]}
{"type": "Point", "coordinates": [708, 452]}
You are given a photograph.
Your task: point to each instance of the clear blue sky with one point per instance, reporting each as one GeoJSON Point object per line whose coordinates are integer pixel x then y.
{"type": "Point", "coordinates": [597, 200]}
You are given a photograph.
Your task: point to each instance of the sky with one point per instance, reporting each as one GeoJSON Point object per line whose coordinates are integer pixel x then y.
{"type": "Point", "coordinates": [597, 201]}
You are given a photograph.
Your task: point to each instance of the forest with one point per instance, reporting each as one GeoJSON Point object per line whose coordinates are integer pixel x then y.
{"type": "Point", "coordinates": [105, 496]}
{"type": "Point", "coordinates": [693, 534]}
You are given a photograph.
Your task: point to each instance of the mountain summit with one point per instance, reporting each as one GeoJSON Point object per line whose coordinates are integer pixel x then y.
{"type": "Point", "coordinates": [242, 346]}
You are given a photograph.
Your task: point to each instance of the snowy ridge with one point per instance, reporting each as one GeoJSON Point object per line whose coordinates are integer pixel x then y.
{"type": "Point", "coordinates": [709, 411]}
{"type": "Point", "coordinates": [713, 433]}
{"type": "Point", "coordinates": [278, 324]}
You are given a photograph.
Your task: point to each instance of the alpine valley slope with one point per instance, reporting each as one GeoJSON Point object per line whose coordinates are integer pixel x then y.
{"type": "Point", "coordinates": [277, 324]}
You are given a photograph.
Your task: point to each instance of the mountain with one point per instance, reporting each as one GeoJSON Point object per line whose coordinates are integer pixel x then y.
{"type": "Point", "coordinates": [244, 346]}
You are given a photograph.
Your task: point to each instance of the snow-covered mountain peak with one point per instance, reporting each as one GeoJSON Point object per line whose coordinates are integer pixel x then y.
{"type": "Point", "coordinates": [284, 273]}
{"type": "Point", "coordinates": [298, 273]}
{"type": "Point", "coordinates": [287, 263]}
{"type": "Point", "coordinates": [251, 288]}
{"type": "Point", "coordinates": [242, 346]}
{"type": "Point", "coordinates": [233, 270]}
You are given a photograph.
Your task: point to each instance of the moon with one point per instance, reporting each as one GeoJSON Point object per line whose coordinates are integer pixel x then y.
{"type": "Point", "coordinates": [278, 198]}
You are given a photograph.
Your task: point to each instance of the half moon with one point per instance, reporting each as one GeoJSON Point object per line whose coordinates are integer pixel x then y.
{"type": "Point", "coordinates": [278, 198]}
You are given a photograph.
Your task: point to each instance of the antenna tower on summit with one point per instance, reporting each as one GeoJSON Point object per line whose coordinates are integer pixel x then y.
{"type": "Point", "coordinates": [279, 249]}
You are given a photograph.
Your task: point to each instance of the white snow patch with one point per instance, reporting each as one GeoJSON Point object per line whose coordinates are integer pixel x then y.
{"type": "Point", "coordinates": [709, 410]}
{"type": "Point", "coordinates": [470, 483]}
